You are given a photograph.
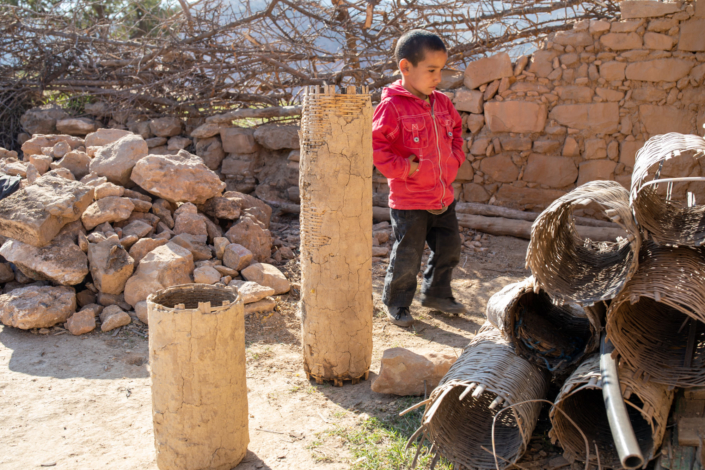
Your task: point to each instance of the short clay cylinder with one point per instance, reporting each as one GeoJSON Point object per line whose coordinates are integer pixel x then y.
{"type": "Point", "coordinates": [199, 394]}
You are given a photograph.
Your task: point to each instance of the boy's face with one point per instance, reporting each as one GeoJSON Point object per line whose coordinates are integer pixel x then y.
{"type": "Point", "coordinates": [423, 78]}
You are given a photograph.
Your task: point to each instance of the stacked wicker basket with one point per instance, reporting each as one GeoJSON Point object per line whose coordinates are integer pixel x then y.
{"type": "Point", "coordinates": [645, 291]}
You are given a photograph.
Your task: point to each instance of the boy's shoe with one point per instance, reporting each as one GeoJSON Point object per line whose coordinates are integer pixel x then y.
{"type": "Point", "coordinates": [445, 305]}
{"type": "Point", "coordinates": [400, 316]}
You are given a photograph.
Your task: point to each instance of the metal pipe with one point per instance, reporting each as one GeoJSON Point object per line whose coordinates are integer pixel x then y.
{"type": "Point", "coordinates": [620, 425]}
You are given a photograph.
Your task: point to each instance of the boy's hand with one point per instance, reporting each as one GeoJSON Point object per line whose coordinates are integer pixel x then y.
{"type": "Point", "coordinates": [413, 165]}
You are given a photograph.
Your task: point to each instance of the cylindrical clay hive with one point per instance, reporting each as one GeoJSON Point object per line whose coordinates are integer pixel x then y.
{"type": "Point", "coordinates": [199, 394]}
{"type": "Point", "coordinates": [336, 234]}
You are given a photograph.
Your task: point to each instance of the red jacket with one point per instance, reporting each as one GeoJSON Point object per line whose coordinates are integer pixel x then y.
{"type": "Point", "coordinates": [404, 124]}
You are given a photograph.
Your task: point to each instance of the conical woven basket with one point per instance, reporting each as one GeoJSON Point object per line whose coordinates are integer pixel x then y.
{"type": "Point", "coordinates": [549, 336]}
{"type": "Point", "coordinates": [572, 269]}
{"type": "Point", "coordinates": [662, 218]}
{"type": "Point", "coordinates": [486, 377]}
{"type": "Point", "coordinates": [581, 399]}
{"type": "Point", "coordinates": [656, 321]}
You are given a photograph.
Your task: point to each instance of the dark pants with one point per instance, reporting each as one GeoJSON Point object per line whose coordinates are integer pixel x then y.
{"type": "Point", "coordinates": [411, 230]}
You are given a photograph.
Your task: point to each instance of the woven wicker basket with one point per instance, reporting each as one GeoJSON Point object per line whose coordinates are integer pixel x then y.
{"type": "Point", "coordinates": [656, 321]}
{"type": "Point", "coordinates": [581, 399]}
{"type": "Point", "coordinates": [552, 337]}
{"type": "Point", "coordinates": [663, 219]}
{"type": "Point", "coordinates": [572, 269]}
{"type": "Point", "coordinates": [486, 377]}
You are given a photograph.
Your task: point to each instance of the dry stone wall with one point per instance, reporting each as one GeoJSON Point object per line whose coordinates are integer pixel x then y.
{"type": "Point", "coordinates": [580, 107]}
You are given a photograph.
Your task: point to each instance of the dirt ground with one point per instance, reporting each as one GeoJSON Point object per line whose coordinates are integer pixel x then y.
{"type": "Point", "coordinates": [84, 402]}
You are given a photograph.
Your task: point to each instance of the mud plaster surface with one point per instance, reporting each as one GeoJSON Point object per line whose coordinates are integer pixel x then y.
{"type": "Point", "coordinates": [64, 399]}
{"type": "Point", "coordinates": [336, 199]}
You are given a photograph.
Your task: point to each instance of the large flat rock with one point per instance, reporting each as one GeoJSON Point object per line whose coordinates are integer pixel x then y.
{"type": "Point", "coordinates": [488, 69]}
{"type": "Point", "coordinates": [61, 261]}
{"type": "Point", "coordinates": [515, 116]}
{"type": "Point", "coordinates": [35, 214]}
{"type": "Point", "coordinates": [647, 9]}
{"type": "Point", "coordinates": [177, 178]}
{"type": "Point", "coordinates": [600, 118]}
{"type": "Point", "coordinates": [37, 307]}
{"type": "Point", "coordinates": [659, 70]}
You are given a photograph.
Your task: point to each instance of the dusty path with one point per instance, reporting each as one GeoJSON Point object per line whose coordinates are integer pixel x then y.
{"type": "Point", "coordinates": [84, 402]}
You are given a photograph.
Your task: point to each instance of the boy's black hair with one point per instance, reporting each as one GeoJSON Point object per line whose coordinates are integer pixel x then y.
{"type": "Point", "coordinates": [413, 45]}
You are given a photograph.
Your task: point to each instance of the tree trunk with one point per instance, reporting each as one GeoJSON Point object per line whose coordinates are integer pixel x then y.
{"type": "Point", "coordinates": [336, 234]}
{"type": "Point", "coordinates": [497, 211]}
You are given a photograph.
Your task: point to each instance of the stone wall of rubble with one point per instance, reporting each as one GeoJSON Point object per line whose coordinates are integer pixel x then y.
{"type": "Point", "coordinates": [580, 106]}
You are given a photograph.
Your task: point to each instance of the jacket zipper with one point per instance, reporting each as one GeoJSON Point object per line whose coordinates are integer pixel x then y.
{"type": "Point", "coordinates": [440, 166]}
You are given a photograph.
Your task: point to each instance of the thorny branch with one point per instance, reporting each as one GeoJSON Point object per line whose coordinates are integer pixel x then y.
{"type": "Point", "coordinates": [205, 57]}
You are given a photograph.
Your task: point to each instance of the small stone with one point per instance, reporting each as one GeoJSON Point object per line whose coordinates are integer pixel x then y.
{"type": "Point", "coordinates": [404, 372]}
{"type": "Point", "coordinates": [380, 251]}
{"type": "Point", "coordinates": [109, 209]}
{"type": "Point", "coordinates": [206, 275]}
{"type": "Point", "coordinates": [6, 273]}
{"type": "Point", "coordinates": [164, 210]}
{"type": "Point", "coordinates": [226, 271]}
{"type": "Point", "coordinates": [277, 136]}
{"type": "Point", "coordinates": [85, 297]}
{"type": "Point", "coordinates": [267, 275]}
{"type": "Point", "coordinates": [155, 142]}
{"type": "Point", "coordinates": [178, 143]}
{"type": "Point", "coordinates": [107, 190]}
{"type": "Point", "coordinates": [236, 256]}
{"type": "Point", "coordinates": [111, 265]}
{"type": "Point", "coordinates": [166, 126]}
{"type": "Point", "coordinates": [488, 69]}
{"type": "Point", "coordinates": [238, 140]}
{"type": "Point", "coordinates": [222, 208]}
{"type": "Point", "coordinates": [196, 244]}
{"type": "Point", "coordinates": [137, 228]}
{"type": "Point", "coordinates": [143, 246]}
{"type": "Point", "coordinates": [142, 311]}
{"type": "Point", "coordinates": [81, 322]}
{"type": "Point", "coordinates": [262, 306]}
{"type": "Point", "coordinates": [288, 253]}
{"type": "Point", "coordinates": [75, 126]}
{"type": "Point", "coordinates": [219, 243]}
{"type": "Point", "coordinates": [113, 317]}
{"type": "Point", "coordinates": [105, 136]}
{"type": "Point", "coordinates": [163, 267]}
{"type": "Point", "coordinates": [251, 291]}
{"type": "Point", "coordinates": [251, 234]}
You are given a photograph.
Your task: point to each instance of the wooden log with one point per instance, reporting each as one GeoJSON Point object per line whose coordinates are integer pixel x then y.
{"type": "Point", "coordinates": [255, 113]}
{"type": "Point", "coordinates": [522, 228]}
{"type": "Point", "coordinates": [496, 211]}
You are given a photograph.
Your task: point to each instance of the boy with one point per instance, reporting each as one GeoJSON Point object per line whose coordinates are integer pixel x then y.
{"type": "Point", "coordinates": [417, 141]}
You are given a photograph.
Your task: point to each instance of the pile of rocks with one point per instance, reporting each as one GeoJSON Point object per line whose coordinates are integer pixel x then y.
{"type": "Point", "coordinates": [263, 161]}
{"type": "Point", "coordinates": [99, 224]}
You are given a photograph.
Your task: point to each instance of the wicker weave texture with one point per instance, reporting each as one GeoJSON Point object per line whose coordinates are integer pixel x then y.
{"type": "Point", "coordinates": [581, 399]}
{"type": "Point", "coordinates": [572, 269]}
{"type": "Point", "coordinates": [665, 220]}
{"type": "Point", "coordinates": [487, 369]}
{"type": "Point", "coordinates": [656, 321]}
{"type": "Point", "coordinates": [549, 336]}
